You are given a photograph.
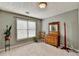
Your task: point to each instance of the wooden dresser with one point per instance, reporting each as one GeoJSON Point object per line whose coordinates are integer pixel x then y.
{"type": "Point", "coordinates": [52, 38]}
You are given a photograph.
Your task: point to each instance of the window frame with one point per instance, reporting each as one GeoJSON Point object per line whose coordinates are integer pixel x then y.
{"type": "Point", "coordinates": [23, 19]}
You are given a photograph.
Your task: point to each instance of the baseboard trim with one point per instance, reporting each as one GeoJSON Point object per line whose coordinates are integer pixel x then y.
{"type": "Point", "coordinates": [75, 50]}
{"type": "Point", "coordinates": [71, 48]}
{"type": "Point", "coordinates": [15, 46]}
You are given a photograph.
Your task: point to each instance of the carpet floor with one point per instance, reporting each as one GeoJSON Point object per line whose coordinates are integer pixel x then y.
{"type": "Point", "coordinates": [37, 49]}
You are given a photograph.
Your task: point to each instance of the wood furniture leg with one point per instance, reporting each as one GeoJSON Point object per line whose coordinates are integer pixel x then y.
{"type": "Point", "coordinates": [65, 42]}
{"type": "Point", "coordinates": [7, 39]}
{"type": "Point", "coordinates": [5, 46]}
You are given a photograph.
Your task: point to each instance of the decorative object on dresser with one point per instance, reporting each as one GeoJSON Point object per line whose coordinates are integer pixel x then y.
{"type": "Point", "coordinates": [53, 36]}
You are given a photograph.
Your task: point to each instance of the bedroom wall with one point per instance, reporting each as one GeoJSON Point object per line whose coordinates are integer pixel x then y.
{"type": "Point", "coordinates": [78, 24]}
{"type": "Point", "coordinates": [7, 18]}
{"type": "Point", "coordinates": [71, 19]}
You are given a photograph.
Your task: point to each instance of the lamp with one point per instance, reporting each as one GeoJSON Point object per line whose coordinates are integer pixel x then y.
{"type": "Point", "coordinates": [42, 5]}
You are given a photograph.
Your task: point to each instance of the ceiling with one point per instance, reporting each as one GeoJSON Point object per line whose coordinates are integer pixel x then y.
{"type": "Point", "coordinates": [53, 8]}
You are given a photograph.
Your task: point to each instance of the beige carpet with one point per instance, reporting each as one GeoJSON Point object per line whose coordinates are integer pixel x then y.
{"type": "Point", "coordinates": [37, 49]}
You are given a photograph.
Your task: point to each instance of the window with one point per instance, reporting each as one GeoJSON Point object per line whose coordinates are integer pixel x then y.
{"type": "Point", "coordinates": [31, 29]}
{"type": "Point", "coordinates": [25, 29]}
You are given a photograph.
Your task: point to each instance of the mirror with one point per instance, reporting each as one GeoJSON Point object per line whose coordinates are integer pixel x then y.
{"type": "Point", "coordinates": [54, 27]}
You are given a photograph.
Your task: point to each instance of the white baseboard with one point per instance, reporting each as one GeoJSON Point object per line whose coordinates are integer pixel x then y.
{"type": "Point", "coordinates": [15, 46]}
{"type": "Point", "coordinates": [76, 50]}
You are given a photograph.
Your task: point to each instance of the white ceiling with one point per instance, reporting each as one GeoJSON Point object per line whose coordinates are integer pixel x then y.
{"type": "Point", "coordinates": [53, 8]}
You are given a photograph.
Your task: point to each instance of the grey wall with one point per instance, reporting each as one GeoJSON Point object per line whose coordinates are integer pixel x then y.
{"type": "Point", "coordinates": [7, 18]}
{"type": "Point", "coordinates": [78, 25]}
{"type": "Point", "coordinates": [71, 19]}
